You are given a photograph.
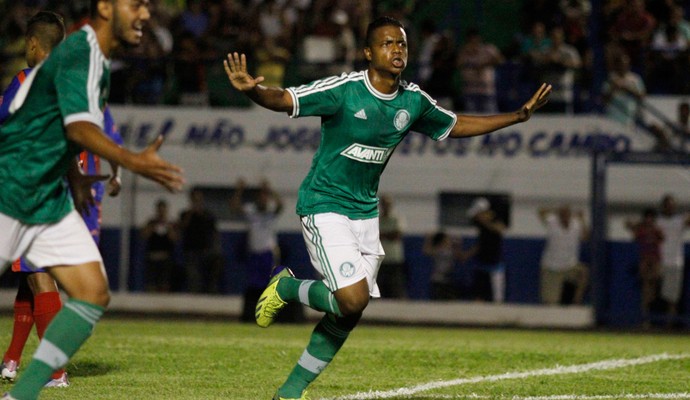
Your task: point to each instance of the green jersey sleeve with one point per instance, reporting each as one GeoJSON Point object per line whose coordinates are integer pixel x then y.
{"type": "Point", "coordinates": [78, 85]}
{"type": "Point", "coordinates": [319, 98]}
{"type": "Point", "coordinates": [434, 121]}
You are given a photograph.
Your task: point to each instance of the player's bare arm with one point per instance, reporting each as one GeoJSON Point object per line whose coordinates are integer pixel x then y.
{"type": "Point", "coordinates": [273, 98]}
{"type": "Point", "coordinates": [146, 163]}
{"type": "Point", "coordinates": [474, 125]}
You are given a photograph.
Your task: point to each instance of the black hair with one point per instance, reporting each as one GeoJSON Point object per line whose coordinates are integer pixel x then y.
{"type": "Point", "coordinates": [649, 212]}
{"type": "Point", "coordinates": [48, 27]}
{"type": "Point", "coordinates": [438, 238]}
{"type": "Point", "coordinates": [378, 23]}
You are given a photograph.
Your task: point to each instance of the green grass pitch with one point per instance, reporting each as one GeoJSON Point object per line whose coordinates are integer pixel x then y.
{"type": "Point", "coordinates": [201, 359]}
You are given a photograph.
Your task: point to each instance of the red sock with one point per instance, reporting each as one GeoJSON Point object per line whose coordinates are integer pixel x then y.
{"type": "Point", "coordinates": [46, 305]}
{"type": "Point", "coordinates": [23, 322]}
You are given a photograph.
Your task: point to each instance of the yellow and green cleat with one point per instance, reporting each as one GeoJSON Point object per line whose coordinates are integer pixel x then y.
{"type": "Point", "coordinates": [304, 397]}
{"type": "Point", "coordinates": [270, 303]}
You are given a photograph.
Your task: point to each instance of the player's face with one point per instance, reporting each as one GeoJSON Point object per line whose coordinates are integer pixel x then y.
{"type": "Point", "coordinates": [129, 19]}
{"type": "Point", "coordinates": [388, 49]}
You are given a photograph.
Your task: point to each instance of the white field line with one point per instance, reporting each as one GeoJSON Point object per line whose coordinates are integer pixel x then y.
{"type": "Point", "coordinates": [650, 396]}
{"type": "Point", "coordinates": [558, 370]}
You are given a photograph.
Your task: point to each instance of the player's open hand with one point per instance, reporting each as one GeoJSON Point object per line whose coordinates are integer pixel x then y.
{"type": "Point", "coordinates": [150, 165]}
{"type": "Point", "coordinates": [539, 98]}
{"type": "Point", "coordinates": [236, 68]}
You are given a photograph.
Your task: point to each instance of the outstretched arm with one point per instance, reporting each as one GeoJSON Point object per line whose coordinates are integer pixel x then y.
{"type": "Point", "coordinates": [146, 163]}
{"type": "Point", "coordinates": [475, 125]}
{"type": "Point", "coordinates": [273, 98]}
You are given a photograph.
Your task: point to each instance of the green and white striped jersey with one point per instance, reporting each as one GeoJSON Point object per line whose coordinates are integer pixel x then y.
{"type": "Point", "coordinates": [360, 128]}
{"type": "Point", "coordinates": [70, 85]}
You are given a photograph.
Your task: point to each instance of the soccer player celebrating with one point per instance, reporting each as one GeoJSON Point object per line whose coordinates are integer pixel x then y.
{"type": "Point", "coordinates": [56, 113]}
{"type": "Point", "coordinates": [364, 116]}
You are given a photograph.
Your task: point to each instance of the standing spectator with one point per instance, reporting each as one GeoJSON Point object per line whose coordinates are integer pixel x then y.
{"type": "Point", "coordinates": [160, 236]}
{"type": "Point", "coordinates": [200, 245]}
{"type": "Point", "coordinates": [560, 262]}
{"type": "Point", "coordinates": [668, 62]}
{"type": "Point", "coordinates": [445, 252]}
{"type": "Point", "coordinates": [392, 277]}
{"type": "Point", "coordinates": [648, 237]}
{"type": "Point", "coordinates": [490, 275]}
{"type": "Point", "coordinates": [428, 37]}
{"type": "Point", "coordinates": [673, 225]}
{"type": "Point", "coordinates": [623, 91]}
{"type": "Point", "coordinates": [261, 215]}
{"type": "Point", "coordinates": [632, 30]}
{"type": "Point", "coordinates": [560, 64]}
{"type": "Point", "coordinates": [477, 62]}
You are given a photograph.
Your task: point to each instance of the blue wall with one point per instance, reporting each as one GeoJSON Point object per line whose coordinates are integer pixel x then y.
{"type": "Point", "coordinates": [522, 271]}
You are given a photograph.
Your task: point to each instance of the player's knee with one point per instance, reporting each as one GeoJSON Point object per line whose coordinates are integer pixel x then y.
{"type": "Point", "coordinates": [100, 297]}
{"type": "Point", "coordinates": [353, 305]}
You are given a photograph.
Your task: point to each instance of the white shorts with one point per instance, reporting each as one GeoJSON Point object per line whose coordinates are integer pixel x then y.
{"type": "Point", "coordinates": [342, 250]}
{"type": "Point", "coordinates": [66, 242]}
{"type": "Point", "coordinates": [671, 283]}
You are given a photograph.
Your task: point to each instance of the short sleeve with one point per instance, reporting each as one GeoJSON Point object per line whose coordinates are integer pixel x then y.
{"type": "Point", "coordinates": [78, 85]}
{"type": "Point", "coordinates": [434, 121]}
{"type": "Point", "coordinates": [319, 98]}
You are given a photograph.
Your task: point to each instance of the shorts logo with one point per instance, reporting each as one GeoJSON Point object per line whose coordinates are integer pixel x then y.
{"type": "Point", "coordinates": [347, 269]}
{"type": "Point", "coordinates": [367, 154]}
{"type": "Point", "coordinates": [402, 118]}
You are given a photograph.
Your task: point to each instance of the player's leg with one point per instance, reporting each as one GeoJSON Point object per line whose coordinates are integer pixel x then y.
{"type": "Point", "coordinates": [81, 274]}
{"type": "Point", "coordinates": [338, 259]}
{"type": "Point", "coordinates": [23, 323]}
{"type": "Point", "coordinates": [328, 337]}
{"type": "Point", "coordinates": [47, 304]}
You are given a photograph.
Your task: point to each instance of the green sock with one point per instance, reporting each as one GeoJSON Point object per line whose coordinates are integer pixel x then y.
{"type": "Point", "coordinates": [313, 294]}
{"type": "Point", "coordinates": [66, 333]}
{"type": "Point", "coordinates": [326, 339]}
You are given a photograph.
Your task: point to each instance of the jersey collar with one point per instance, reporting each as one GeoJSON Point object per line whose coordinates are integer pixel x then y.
{"type": "Point", "coordinates": [376, 93]}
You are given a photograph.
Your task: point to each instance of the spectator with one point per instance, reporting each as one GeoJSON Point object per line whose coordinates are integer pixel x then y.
{"type": "Point", "coordinates": [445, 252]}
{"type": "Point", "coordinates": [648, 237]}
{"type": "Point", "coordinates": [633, 29]}
{"type": "Point", "coordinates": [623, 91]}
{"type": "Point", "coordinates": [440, 83]}
{"type": "Point", "coordinates": [560, 63]}
{"type": "Point", "coordinates": [261, 215]}
{"type": "Point", "coordinates": [194, 19]}
{"type": "Point", "coordinates": [190, 72]}
{"type": "Point", "coordinates": [160, 236]}
{"type": "Point", "coordinates": [477, 62]}
{"type": "Point", "coordinates": [668, 61]}
{"type": "Point", "coordinates": [392, 277]}
{"type": "Point", "coordinates": [560, 262]}
{"type": "Point", "coordinates": [533, 48]}
{"type": "Point", "coordinates": [489, 277]}
{"type": "Point", "coordinates": [200, 245]}
{"type": "Point", "coordinates": [429, 38]}
{"type": "Point", "coordinates": [673, 225]}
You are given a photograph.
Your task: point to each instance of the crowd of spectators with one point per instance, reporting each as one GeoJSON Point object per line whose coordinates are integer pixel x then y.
{"type": "Point", "coordinates": [571, 43]}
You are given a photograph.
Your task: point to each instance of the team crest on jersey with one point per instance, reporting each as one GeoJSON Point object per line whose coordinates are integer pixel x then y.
{"type": "Point", "coordinates": [347, 269]}
{"type": "Point", "coordinates": [367, 154]}
{"type": "Point", "coordinates": [402, 118]}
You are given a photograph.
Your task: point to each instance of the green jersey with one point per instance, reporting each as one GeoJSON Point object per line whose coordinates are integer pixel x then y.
{"type": "Point", "coordinates": [70, 85]}
{"type": "Point", "coordinates": [360, 128]}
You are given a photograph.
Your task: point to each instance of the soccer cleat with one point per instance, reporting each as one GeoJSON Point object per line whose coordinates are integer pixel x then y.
{"type": "Point", "coordinates": [7, 396]}
{"type": "Point", "coordinates": [9, 370]}
{"type": "Point", "coordinates": [270, 303]}
{"type": "Point", "coordinates": [304, 397]}
{"type": "Point", "coordinates": [61, 382]}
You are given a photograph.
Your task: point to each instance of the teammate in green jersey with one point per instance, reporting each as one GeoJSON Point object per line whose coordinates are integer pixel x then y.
{"type": "Point", "coordinates": [364, 116]}
{"type": "Point", "coordinates": [58, 112]}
